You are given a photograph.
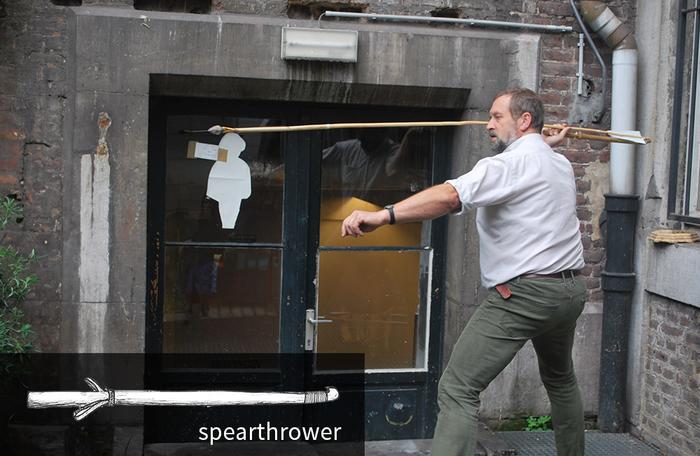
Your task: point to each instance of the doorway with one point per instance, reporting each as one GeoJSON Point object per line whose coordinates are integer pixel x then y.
{"type": "Point", "coordinates": [283, 280]}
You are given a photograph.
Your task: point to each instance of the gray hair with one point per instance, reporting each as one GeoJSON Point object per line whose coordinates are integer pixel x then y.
{"type": "Point", "coordinates": [525, 100]}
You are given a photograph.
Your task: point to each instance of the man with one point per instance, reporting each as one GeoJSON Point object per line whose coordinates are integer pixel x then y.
{"type": "Point", "coordinates": [530, 251]}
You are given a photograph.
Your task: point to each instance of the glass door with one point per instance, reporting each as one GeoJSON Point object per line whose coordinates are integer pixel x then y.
{"type": "Point", "coordinates": [218, 285]}
{"type": "Point", "coordinates": [372, 291]}
{"type": "Point", "coordinates": [379, 294]}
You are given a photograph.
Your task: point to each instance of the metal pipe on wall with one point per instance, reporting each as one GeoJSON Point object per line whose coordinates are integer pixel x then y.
{"type": "Point", "coordinates": [449, 20]}
{"type": "Point", "coordinates": [624, 89]}
{"type": "Point", "coordinates": [623, 118]}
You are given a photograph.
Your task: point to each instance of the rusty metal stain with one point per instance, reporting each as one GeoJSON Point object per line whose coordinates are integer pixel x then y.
{"type": "Point", "coordinates": [103, 123]}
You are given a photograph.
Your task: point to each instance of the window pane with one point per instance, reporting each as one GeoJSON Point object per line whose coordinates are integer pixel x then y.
{"type": "Point", "coordinates": [221, 300]}
{"type": "Point", "coordinates": [191, 216]}
{"type": "Point", "coordinates": [694, 146]}
{"type": "Point", "coordinates": [377, 302]}
{"type": "Point", "coordinates": [685, 137]}
{"type": "Point", "coordinates": [368, 169]}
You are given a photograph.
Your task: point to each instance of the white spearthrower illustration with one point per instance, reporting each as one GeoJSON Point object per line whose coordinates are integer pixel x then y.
{"type": "Point", "coordinates": [87, 402]}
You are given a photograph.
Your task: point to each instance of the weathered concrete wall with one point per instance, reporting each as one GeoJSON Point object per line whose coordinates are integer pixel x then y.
{"type": "Point", "coordinates": [657, 48]}
{"type": "Point", "coordinates": [664, 362]}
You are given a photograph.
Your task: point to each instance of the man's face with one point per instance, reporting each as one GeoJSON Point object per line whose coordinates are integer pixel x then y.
{"type": "Point", "coordinates": [501, 127]}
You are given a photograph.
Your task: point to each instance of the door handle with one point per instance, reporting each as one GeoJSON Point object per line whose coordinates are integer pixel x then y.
{"type": "Point", "coordinates": [310, 333]}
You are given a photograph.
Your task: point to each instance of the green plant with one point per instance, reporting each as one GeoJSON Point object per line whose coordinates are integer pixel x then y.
{"type": "Point", "coordinates": [16, 335]}
{"type": "Point", "coordinates": [539, 423]}
{"type": "Point", "coordinates": [9, 209]}
{"type": "Point", "coordinates": [15, 281]}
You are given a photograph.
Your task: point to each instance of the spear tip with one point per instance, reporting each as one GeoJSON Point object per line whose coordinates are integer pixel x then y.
{"type": "Point", "coordinates": [216, 130]}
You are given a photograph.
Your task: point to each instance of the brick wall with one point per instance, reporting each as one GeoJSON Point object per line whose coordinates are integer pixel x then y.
{"type": "Point", "coordinates": [33, 91]}
{"type": "Point", "coordinates": [670, 404]}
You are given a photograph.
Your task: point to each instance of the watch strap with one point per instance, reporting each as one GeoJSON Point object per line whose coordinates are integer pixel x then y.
{"type": "Point", "coordinates": [392, 217]}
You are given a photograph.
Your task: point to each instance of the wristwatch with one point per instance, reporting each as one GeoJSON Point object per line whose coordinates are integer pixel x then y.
{"type": "Point", "coordinates": [392, 217]}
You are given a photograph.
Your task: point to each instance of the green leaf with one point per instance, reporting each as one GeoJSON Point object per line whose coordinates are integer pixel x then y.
{"type": "Point", "coordinates": [539, 424]}
{"type": "Point", "coordinates": [16, 335]}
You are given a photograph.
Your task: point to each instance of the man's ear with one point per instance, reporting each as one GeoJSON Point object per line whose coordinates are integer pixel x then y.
{"type": "Point", "coordinates": [524, 122]}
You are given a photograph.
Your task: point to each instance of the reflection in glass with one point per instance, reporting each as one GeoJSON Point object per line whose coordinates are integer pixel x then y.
{"type": "Point", "coordinates": [377, 299]}
{"type": "Point", "coordinates": [369, 168]}
{"type": "Point", "coordinates": [377, 302]}
{"type": "Point", "coordinates": [221, 300]}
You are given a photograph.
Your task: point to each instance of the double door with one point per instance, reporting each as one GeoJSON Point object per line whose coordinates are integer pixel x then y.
{"type": "Point", "coordinates": [279, 278]}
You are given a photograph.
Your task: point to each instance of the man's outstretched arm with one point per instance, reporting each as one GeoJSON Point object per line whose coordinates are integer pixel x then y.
{"type": "Point", "coordinates": [426, 205]}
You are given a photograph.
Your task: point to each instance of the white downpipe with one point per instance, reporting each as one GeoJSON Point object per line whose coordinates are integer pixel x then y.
{"type": "Point", "coordinates": [623, 115]}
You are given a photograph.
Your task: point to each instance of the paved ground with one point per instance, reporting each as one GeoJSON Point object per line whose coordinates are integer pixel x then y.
{"type": "Point", "coordinates": [522, 444]}
{"type": "Point", "coordinates": [597, 444]}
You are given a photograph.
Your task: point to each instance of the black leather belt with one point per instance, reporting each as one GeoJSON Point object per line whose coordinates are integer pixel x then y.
{"type": "Point", "coordinates": [504, 291]}
{"type": "Point", "coordinates": [569, 273]}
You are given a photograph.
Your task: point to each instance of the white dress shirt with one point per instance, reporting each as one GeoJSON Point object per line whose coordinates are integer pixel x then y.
{"type": "Point", "coordinates": [526, 211]}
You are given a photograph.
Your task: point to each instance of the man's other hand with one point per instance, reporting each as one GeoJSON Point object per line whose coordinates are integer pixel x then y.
{"type": "Point", "coordinates": [554, 136]}
{"type": "Point", "coordinates": [360, 222]}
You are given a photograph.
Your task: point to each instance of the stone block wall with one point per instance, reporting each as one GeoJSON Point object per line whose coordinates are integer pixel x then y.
{"type": "Point", "coordinates": [666, 312]}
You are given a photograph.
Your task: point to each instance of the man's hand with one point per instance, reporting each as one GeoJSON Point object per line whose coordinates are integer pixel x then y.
{"type": "Point", "coordinates": [553, 136]}
{"type": "Point", "coordinates": [360, 222]}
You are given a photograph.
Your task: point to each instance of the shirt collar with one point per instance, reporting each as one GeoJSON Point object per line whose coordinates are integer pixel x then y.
{"type": "Point", "coordinates": [523, 139]}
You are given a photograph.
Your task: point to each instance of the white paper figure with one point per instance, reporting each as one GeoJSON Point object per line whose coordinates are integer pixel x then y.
{"type": "Point", "coordinates": [229, 182]}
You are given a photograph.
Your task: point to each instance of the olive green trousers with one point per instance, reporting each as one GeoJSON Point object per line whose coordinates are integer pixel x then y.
{"type": "Point", "coordinates": [541, 310]}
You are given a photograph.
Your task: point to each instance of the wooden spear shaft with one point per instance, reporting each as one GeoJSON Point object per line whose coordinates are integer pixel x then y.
{"type": "Point", "coordinates": [574, 132]}
{"type": "Point", "coordinates": [338, 126]}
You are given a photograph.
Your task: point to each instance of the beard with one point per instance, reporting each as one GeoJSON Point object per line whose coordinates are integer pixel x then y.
{"type": "Point", "coordinates": [501, 145]}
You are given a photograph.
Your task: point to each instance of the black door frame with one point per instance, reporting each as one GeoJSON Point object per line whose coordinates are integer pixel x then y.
{"type": "Point", "coordinates": [301, 218]}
